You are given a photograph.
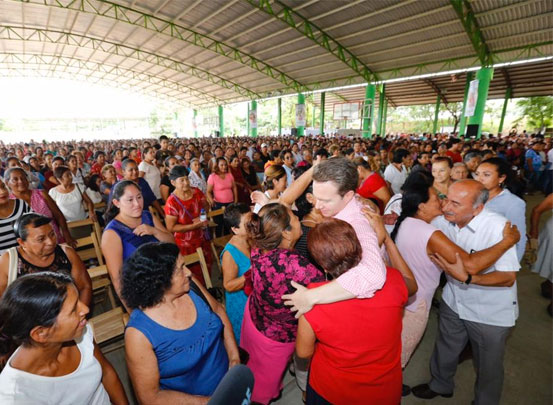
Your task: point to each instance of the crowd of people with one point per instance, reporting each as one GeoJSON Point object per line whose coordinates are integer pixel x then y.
{"type": "Point", "coordinates": [336, 247]}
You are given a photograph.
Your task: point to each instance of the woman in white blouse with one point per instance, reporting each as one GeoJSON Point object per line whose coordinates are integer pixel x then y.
{"type": "Point", "coordinates": [148, 169]}
{"type": "Point", "coordinates": [196, 177]}
{"type": "Point", "coordinates": [71, 198]}
{"type": "Point", "coordinates": [57, 361]}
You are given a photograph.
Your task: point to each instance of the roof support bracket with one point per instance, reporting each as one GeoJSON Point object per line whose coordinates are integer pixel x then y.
{"type": "Point", "coordinates": [470, 24]}
{"type": "Point", "coordinates": [305, 27]}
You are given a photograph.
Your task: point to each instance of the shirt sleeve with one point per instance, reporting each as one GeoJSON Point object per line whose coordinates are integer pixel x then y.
{"type": "Point", "coordinates": [517, 214]}
{"type": "Point", "coordinates": [142, 167]}
{"type": "Point", "coordinates": [370, 274]}
{"type": "Point", "coordinates": [211, 180]}
{"type": "Point", "coordinates": [170, 208]}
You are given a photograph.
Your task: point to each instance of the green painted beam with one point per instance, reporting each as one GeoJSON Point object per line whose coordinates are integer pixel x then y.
{"type": "Point", "coordinates": [368, 111]}
{"type": "Point", "coordinates": [106, 69]}
{"type": "Point", "coordinates": [253, 108]}
{"type": "Point", "coordinates": [112, 48]}
{"type": "Point", "coordinates": [127, 15]}
{"type": "Point", "coordinates": [322, 117]}
{"type": "Point", "coordinates": [305, 27]}
{"type": "Point", "coordinates": [221, 122]}
{"type": "Point", "coordinates": [301, 129]}
{"type": "Point", "coordinates": [279, 115]}
{"type": "Point", "coordinates": [381, 102]}
{"type": "Point", "coordinates": [504, 110]}
{"type": "Point", "coordinates": [436, 113]}
{"type": "Point", "coordinates": [484, 77]}
{"type": "Point", "coordinates": [466, 15]}
{"type": "Point", "coordinates": [385, 118]}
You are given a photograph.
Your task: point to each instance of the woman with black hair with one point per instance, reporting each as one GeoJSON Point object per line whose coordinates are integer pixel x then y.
{"type": "Point", "coordinates": [179, 342]}
{"type": "Point", "coordinates": [269, 327]}
{"type": "Point", "coordinates": [420, 204]}
{"type": "Point", "coordinates": [128, 227]}
{"type": "Point", "coordinates": [505, 195]}
{"type": "Point", "coordinates": [183, 216]}
{"type": "Point", "coordinates": [57, 361]}
{"type": "Point", "coordinates": [39, 251]}
{"type": "Point", "coordinates": [70, 197]}
{"type": "Point", "coordinates": [235, 260]}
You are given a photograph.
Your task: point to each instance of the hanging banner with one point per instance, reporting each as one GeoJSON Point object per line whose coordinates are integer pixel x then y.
{"type": "Point", "coordinates": [472, 98]}
{"type": "Point", "coordinates": [300, 115]}
{"type": "Point", "coordinates": [252, 116]}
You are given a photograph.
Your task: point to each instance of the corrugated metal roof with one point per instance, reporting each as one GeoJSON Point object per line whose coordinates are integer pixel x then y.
{"type": "Point", "coordinates": [253, 49]}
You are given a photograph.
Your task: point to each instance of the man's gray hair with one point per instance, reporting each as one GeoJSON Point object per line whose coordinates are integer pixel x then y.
{"type": "Point", "coordinates": [457, 164]}
{"type": "Point", "coordinates": [481, 198]}
{"type": "Point", "coordinates": [471, 155]}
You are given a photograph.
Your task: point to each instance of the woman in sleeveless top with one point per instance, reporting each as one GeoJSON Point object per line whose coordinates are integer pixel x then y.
{"type": "Point", "coordinates": [43, 314]}
{"type": "Point", "coordinates": [10, 211]}
{"type": "Point", "coordinates": [128, 227]}
{"type": "Point", "coordinates": [40, 202]}
{"type": "Point", "coordinates": [235, 260]}
{"type": "Point", "coordinates": [419, 206]}
{"type": "Point", "coordinates": [38, 251]}
{"type": "Point", "coordinates": [178, 342]}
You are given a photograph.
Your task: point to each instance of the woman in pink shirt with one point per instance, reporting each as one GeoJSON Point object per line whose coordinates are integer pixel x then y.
{"type": "Point", "coordinates": [420, 205]}
{"type": "Point", "coordinates": [221, 190]}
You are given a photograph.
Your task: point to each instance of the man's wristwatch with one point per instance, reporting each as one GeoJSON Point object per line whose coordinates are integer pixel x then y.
{"type": "Point", "coordinates": [468, 280]}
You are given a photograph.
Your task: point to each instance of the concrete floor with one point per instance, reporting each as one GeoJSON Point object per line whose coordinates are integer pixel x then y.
{"type": "Point", "coordinates": [528, 359]}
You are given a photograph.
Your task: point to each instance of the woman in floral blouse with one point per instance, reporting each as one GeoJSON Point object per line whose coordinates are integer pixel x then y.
{"type": "Point", "coordinates": [269, 327]}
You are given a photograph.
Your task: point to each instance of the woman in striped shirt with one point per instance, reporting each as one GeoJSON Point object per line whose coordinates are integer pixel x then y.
{"type": "Point", "coordinates": [10, 211]}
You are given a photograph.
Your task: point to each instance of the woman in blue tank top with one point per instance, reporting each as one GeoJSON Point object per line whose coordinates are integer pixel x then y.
{"type": "Point", "coordinates": [179, 342]}
{"type": "Point", "coordinates": [235, 259]}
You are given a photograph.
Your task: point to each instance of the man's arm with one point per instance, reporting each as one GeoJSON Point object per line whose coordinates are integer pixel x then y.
{"type": "Point", "coordinates": [361, 281]}
{"type": "Point", "coordinates": [457, 271]}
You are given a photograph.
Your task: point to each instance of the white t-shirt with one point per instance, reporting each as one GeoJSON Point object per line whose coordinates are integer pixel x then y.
{"type": "Point", "coordinates": [550, 159]}
{"type": "Point", "coordinates": [152, 175]}
{"type": "Point", "coordinates": [82, 386]}
{"type": "Point", "coordinates": [70, 204]}
{"type": "Point", "coordinates": [395, 177]}
{"type": "Point", "coordinates": [496, 306]}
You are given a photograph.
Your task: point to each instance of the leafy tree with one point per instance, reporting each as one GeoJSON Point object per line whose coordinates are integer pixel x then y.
{"type": "Point", "coordinates": [538, 111]}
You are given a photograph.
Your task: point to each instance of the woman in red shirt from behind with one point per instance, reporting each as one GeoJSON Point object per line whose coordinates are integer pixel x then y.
{"type": "Point", "coordinates": [355, 344]}
{"type": "Point", "coordinates": [371, 185]}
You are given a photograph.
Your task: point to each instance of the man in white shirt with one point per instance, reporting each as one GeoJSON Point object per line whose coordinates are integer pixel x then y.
{"type": "Point", "coordinates": [479, 307]}
{"type": "Point", "coordinates": [396, 172]}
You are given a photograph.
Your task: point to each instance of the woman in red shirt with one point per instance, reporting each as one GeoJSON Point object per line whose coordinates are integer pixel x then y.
{"type": "Point", "coordinates": [182, 217]}
{"type": "Point", "coordinates": [355, 345]}
{"type": "Point", "coordinates": [371, 185]}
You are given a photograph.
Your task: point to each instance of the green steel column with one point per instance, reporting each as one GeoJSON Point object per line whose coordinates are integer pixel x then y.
{"type": "Point", "coordinates": [436, 112]}
{"type": "Point", "coordinates": [381, 101]}
{"type": "Point", "coordinates": [507, 97]}
{"type": "Point", "coordinates": [322, 117]}
{"type": "Point", "coordinates": [368, 110]}
{"type": "Point", "coordinates": [463, 121]}
{"type": "Point", "coordinates": [313, 117]}
{"type": "Point", "coordinates": [221, 122]}
{"type": "Point", "coordinates": [254, 108]}
{"type": "Point", "coordinates": [484, 77]}
{"type": "Point", "coordinates": [279, 104]}
{"type": "Point", "coordinates": [248, 121]}
{"type": "Point", "coordinates": [301, 128]}
{"type": "Point", "coordinates": [195, 123]}
{"type": "Point", "coordinates": [383, 132]}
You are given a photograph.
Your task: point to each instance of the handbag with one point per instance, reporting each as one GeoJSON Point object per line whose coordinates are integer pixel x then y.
{"type": "Point", "coordinates": [205, 231]}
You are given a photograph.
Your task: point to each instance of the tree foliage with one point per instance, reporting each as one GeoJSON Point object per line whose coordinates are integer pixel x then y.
{"type": "Point", "coordinates": [538, 111]}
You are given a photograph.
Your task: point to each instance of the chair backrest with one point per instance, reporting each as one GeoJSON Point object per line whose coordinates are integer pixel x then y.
{"type": "Point", "coordinates": [217, 245]}
{"type": "Point", "coordinates": [199, 257]}
{"type": "Point", "coordinates": [88, 248]}
{"type": "Point", "coordinates": [109, 325]}
{"type": "Point", "coordinates": [94, 226]}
